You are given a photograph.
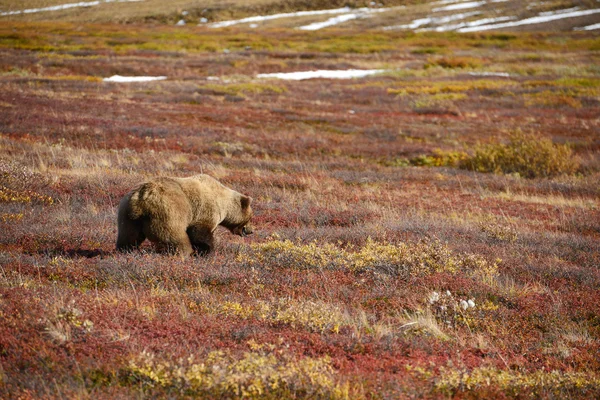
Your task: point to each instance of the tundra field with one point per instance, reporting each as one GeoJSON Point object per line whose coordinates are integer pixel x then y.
{"type": "Point", "coordinates": [431, 230]}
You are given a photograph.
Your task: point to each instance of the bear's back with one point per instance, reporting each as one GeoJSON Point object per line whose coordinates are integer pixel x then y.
{"type": "Point", "coordinates": [208, 197]}
{"type": "Point", "coordinates": [203, 185]}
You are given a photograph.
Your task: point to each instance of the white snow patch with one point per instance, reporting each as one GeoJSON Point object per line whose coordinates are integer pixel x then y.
{"type": "Point", "coordinates": [64, 7]}
{"type": "Point", "coordinates": [121, 79]}
{"type": "Point", "coordinates": [330, 22]}
{"type": "Point", "coordinates": [501, 74]}
{"type": "Point", "coordinates": [364, 12]}
{"type": "Point", "coordinates": [433, 20]}
{"type": "Point", "coordinates": [478, 22]}
{"type": "Point", "coordinates": [260, 18]}
{"type": "Point", "coordinates": [588, 28]}
{"type": "Point", "coordinates": [566, 10]}
{"type": "Point", "coordinates": [181, 22]}
{"type": "Point", "coordinates": [347, 15]}
{"type": "Point", "coordinates": [460, 6]}
{"type": "Point", "coordinates": [485, 21]}
{"type": "Point", "coordinates": [533, 20]}
{"type": "Point", "coordinates": [328, 74]}
{"type": "Point", "coordinates": [413, 25]}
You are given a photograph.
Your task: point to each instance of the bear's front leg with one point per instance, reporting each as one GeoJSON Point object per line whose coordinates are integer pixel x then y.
{"type": "Point", "coordinates": [180, 246]}
{"type": "Point", "coordinates": [202, 239]}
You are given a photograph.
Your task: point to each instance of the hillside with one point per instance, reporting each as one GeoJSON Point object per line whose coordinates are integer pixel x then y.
{"type": "Point", "coordinates": [554, 15]}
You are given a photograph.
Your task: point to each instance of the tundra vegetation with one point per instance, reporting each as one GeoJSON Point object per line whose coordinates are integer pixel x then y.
{"type": "Point", "coordinates": [431, 231]}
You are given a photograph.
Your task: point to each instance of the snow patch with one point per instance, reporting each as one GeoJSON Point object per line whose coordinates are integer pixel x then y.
{"type": "Point", "coordinates": [413, 25]}
{"type": "Point", "coordinates": [588, 28]}
{"type": "Point", "coordinates": [485, 21]}
{"type": "Point", "coordinates": [360, 13]}
{"type": "Point", "coordinates": [330, 22]}
{"type": "Point", "coordinates": [347, 15]}
{"type": "Point", "coordinates": [460, 6]}
{"type": "Point", "coordinates": [501, 74]}
{"type": "Point", "coordinates": [433, 20]}
{"type": "Point", "coordinates": [64, 7]}
{"type": "Point", "coordinates": [260, 18]}
{"type": "Point", "coordinates": [533, 20]}
{"type": "Point", "coordinates": [478, 22]}
{"type": "Point", "coordinates": [566, 10]}
{"type": "Point", "coordinates": [328, 74]}
{"type": "Point", "coordinates": [121, 79]}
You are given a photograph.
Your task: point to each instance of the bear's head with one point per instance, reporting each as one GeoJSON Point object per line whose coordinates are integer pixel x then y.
{"type": "Point", "coordinates": [243, 227]}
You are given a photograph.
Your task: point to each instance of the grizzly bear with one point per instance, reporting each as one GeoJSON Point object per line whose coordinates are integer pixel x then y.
{"type": "Point", "coordinates": [180, 215]}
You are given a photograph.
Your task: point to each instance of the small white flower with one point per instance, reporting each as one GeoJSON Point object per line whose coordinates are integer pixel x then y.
{"type": "Point", "coordinates": [471, 303]}
{"type": "Point", "coordinates": [448, 293]}
{"type": "Point", "coordinates": [443, 308]}
{"type": "Point", "coordinates": [435, 296]}
{"type": "Point", "coordinates": [464, 305]}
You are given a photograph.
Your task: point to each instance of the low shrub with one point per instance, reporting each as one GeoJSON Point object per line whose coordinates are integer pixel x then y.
{"type": "Point", "coordinates": [237, 89]}
{"type": "Point", "coordinates": [530, 156]}
{"type": "Point", "coordinates": [439, 158]}
{"type": "Point", "coordinates": [455, 62]}
{"type": "Point", "coordinates": [316, 316]}
{"type": "Point", "coordinates": [544, 384]}
{"type": "Point", "coordinates": [257, 374]}
{"type": "Point", "coordinates": [402, 259]}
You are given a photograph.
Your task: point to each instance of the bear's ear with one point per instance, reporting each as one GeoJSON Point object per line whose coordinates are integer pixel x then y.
{"type": "Point", "coordinates": [245, 201]}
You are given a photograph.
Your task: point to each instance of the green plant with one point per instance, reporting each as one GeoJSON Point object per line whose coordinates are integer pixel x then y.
{"type": "Point", "coordinates": [529, 156]}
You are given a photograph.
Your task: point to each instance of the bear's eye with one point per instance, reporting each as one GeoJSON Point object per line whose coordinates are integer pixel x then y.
{"type": "Point", "coordinates": [244, 231]}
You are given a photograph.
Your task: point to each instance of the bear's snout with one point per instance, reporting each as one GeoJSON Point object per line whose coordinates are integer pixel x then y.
{"type": "Point", "coordinates": [242, 230]}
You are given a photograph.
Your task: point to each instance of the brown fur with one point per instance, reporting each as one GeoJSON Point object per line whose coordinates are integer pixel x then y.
{"type": "Point", "coordinates": [180, 215]}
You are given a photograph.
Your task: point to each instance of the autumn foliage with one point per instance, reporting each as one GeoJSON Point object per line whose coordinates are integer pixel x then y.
{"type": "Point", "coordinates": [427, 232]}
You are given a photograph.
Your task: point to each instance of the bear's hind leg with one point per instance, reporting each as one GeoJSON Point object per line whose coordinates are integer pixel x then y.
{"type": "Point", "coordinates": [130, 236]}
{"type": "Point", "coordinates": [170, 239]}
{"type": "Point", "coordinates": [202, 239]}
